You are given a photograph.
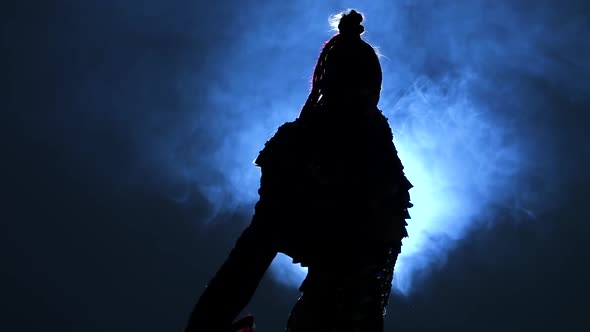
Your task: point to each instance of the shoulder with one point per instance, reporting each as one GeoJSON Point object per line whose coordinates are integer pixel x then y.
{"type": "Point", "coordinates": [288, 138]}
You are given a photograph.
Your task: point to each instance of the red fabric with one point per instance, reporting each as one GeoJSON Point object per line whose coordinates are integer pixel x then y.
{"type": "Point", "coordinates": [245, 324]}
{"type": "Point", "coordinates": [246, 329]}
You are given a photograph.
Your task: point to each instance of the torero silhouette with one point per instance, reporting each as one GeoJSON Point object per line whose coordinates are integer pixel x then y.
{"type": "Point", "coordinates": [333, 196]}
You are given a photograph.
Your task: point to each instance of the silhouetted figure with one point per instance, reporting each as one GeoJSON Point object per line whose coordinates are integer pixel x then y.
{"type": "Point", "coordinates": [333, 196]}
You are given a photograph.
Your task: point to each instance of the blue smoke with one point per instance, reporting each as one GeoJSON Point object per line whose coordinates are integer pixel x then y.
{"type": "Point", "coordinates": [449, 91]}
{"type": "Point", "coordinates": [461, 90]}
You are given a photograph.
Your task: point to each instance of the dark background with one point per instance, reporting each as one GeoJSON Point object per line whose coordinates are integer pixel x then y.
{"type": "Point", "coordinates": [116, 120]}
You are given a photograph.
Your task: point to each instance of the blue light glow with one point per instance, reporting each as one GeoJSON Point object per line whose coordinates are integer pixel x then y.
{"type": "Point", "coordinates": [450, 91]}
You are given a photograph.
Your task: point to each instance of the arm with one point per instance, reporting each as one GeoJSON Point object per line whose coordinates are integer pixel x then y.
{"type": "Point", "coordinates": [233, 286]}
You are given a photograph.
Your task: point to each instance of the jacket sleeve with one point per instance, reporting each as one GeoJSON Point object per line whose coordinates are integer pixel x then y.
{"type": "Point", "coordinates": [234, 284]}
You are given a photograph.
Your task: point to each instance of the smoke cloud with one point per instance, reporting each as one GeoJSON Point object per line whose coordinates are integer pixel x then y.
{"type": "Point", "coordinates": [466, 90]}
{"type": "Point", "coordinates": [457, 91]}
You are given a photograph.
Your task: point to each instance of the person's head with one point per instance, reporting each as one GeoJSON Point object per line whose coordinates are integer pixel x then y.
{"type": "Point", "coordinates": [348, 67]}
